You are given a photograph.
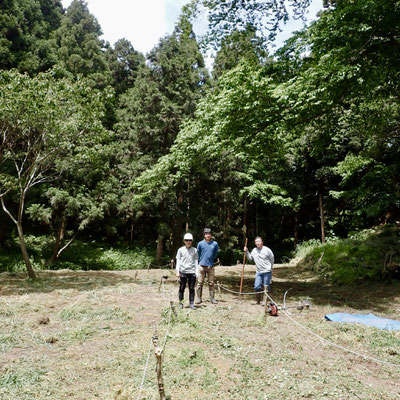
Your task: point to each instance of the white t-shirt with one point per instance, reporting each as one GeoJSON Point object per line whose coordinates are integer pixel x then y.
{"type": "Point", "coordinates": [264, 258]}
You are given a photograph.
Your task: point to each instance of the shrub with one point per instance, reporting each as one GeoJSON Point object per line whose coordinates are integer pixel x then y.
{"type": "Point", "coordinates": [79, 256]}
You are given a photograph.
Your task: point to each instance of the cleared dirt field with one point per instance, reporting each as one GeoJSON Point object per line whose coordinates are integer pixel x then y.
{"type": "Point", "coordinates": [87, 335]}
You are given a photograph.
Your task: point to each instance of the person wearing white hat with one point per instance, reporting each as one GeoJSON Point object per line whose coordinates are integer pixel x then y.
{"type": "Point", "coordinates": [186, 265]}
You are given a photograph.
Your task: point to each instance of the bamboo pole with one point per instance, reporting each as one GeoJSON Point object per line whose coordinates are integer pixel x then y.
{"type": "Point", "coordinates": [244, 262]}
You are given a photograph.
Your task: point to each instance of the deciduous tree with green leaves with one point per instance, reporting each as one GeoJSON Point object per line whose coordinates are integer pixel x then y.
{"type": "Point", "coordinates": [48, 126]}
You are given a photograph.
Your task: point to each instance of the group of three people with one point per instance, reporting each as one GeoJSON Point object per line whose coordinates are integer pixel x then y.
{"type": "Point", "coordinates": [192, 263]}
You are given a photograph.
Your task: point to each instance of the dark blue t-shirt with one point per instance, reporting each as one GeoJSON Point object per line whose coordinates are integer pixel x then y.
{"type": "Point", "coordinates": [207, 252]}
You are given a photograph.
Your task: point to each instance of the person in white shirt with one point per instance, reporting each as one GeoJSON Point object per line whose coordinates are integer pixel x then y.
{"type": "Point", "coordinates": [264, 260]}
{"type": "Point", "coordinates": [186, 265]}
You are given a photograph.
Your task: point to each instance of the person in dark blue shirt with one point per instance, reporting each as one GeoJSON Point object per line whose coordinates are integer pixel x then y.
{"type": "Point", "coordinates": [207, 251]}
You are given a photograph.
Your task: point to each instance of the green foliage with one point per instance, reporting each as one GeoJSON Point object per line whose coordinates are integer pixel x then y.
{"type": "Point", "coordinates": [79, 256]}
{"type": "Point", "coordinates": [124, 62]}
{"type": "Point", "coordinates": [240, 45]}
{"type": "Point", "coordinates": [344, 114]}
{"type": "Point", "coordinates": [371, 255]}
{"type": "Point", "coordinates": [80, 50]}
{"type": "Point", "coordinates": [266, 149]}
{"type": "Point", "coordinates": [93, 256]}
{"type": "Point", "coordinates": [26, 28]}
{"type": "Point", "coordinates": [50, 128]}
{"type": "Point", "coordinates": [165, 93]}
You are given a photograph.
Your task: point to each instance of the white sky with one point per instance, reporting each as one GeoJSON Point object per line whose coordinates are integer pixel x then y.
{"type": "Point", "coordinates": [144, 22]}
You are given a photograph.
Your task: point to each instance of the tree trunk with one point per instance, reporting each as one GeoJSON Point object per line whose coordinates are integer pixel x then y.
{"type": "Point", "coordinates": [188, 207]}
{"type": "Point", "coordinates": [321, 214]}
{"type": "Point", "coordinates": [31, 272]}
{"type": "Point", "coordinates": [131, 237]}
{"type": "Point", "coordinates": [2, 231]}
{"type": "Point", "coordinates": [159, 249]}
{"type": "Point", "coordinates": [18, 223]}
{"type": "Point", "coordinates": [59, 240]}
{"type": "Point", "coordinates": [296, 230]}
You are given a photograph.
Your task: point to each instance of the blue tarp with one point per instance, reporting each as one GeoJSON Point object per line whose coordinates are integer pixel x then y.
{"type": "Point", "coordinates": [366, 319]}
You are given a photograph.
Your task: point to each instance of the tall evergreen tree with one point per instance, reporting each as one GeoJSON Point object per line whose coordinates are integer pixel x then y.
{"type": "Point", "coordinates": [26, 28]}
{"type": "Point", "coordinates": [166, 92]}
{"type": "Point", "coordinates": [80, 49]}
{"type": "Point", "coordinates": [124, 62]}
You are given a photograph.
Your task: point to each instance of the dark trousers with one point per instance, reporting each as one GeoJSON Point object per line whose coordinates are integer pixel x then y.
{"type": "Point", "coordinates": [191, 279]}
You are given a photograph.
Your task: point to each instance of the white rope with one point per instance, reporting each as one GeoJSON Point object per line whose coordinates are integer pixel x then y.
{"type": "Point", "coordinates": [148, 354]}
{"type": "Point", "coordinates": [145, 370]}
{"type": "Point", "coordinates": [166, 333]}
{"type": "Point", "coordinates": [232, 291]}
{"type": "Point", "coordinates": [341, 347]}
{"type": "Point", "coordinates": [288, 314]}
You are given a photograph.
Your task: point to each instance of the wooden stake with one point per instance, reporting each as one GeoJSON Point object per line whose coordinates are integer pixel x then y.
{"type": "Point", "coordinates": [161, 282]}
{"type": "Point", "coordinates": [158, 353]}
{"type": "Point", "coordinates": [173, 308]}
{"type": "Point", "coordinates": [266, 310]}
{"type": "Point", "coordinates": [244, 263]}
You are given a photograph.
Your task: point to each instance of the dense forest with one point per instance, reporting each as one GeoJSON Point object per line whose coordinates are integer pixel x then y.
{"type": "Point", "coordinates": [102, 144]}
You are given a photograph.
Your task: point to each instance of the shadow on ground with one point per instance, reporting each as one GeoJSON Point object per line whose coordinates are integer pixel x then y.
{"type": "Point", "coordinates": [374, 297]}
{"type": "Point", "coordinates": [48, 281]}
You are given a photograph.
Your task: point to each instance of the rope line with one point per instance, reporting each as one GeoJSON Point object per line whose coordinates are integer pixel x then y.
{"type": "Point", "coordinates": [166, 333]}
{"type": "Point", "coordinates": [149, 352]}
{"type": "Point", "coordinates": [145, 370]}
{"type": "Point", "coordinates": [232, 291]}
{"type": "Point", "coordinates": [377, 360]}
{"type": "Point", "coordinates": [288, 314]}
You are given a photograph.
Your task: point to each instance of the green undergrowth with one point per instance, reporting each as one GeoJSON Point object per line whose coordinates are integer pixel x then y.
{"type": "Point", "coordinates": [369, 255]}
{"type": "Point", "coordinates": [78, 256]}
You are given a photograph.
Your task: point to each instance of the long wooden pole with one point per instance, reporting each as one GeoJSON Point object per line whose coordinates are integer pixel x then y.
{"type": "Point", "coordinates": [244, 263]}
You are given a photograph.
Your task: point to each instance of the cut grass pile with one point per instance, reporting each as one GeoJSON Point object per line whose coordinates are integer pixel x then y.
{"type": "Point", "coordinates": [86, 335]}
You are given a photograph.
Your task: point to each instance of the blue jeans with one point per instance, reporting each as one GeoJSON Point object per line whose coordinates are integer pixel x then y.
{"type": "Point", "coordinates": [262, 279]}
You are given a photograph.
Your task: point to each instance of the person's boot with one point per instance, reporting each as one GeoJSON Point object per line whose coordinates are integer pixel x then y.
{"type": "Point", "coordinates": [181, 305]}
{"type": "Point", "coordinates": [258, 298]}
{"type": "Point", "coordinates": [212, 297]}
{"type": "Point", "coordinates": [192, 306]}
{"type": "Point", "coordinates": [199, 292]}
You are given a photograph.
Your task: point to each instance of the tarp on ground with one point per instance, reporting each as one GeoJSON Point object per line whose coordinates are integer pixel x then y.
{"type": "Point", "coordinates": [365, 319]}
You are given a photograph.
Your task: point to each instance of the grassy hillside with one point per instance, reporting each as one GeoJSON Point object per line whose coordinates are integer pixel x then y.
{"type": "Point", "coordinates": [370, 255]}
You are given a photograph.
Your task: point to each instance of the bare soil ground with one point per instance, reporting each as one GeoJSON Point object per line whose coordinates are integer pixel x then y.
{"type": "Point", "coordinates": [87, 335]}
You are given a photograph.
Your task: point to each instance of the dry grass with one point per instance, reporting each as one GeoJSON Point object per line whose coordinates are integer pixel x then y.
{"type": "Point", "coordinates": [85, 335]}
